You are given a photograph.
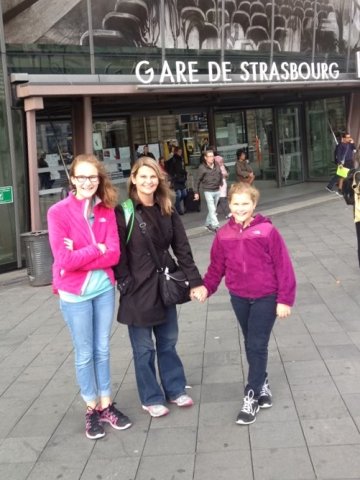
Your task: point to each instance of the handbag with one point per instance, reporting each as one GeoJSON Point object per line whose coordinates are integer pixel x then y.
{"type": "Point", "coordinates": [342, 171]}
{"type": "Point", "coordinates": [174, 286]}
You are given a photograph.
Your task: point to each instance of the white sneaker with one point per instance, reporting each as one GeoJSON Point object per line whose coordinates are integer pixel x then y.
{"type": "Point", "coordinates": [156, 410]}
{"type": "Point", "coordinates": [183, 401]}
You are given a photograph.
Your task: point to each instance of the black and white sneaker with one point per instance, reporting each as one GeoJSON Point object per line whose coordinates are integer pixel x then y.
{"type": "Point", "coordinates": [249, 409]}
{"type": "Point", "coordinates": [93, 428]}
{"type": "Point", "coordinates": [265, 397]}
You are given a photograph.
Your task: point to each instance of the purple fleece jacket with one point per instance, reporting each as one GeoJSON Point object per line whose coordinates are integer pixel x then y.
{"type": "Point", "coordinates": [254, 260]}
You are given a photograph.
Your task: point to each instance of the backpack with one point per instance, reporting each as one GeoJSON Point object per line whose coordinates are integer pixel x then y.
{"type": "Point", "coordinates": [350, 182]}
{"type": "Point", "coordinates": [128, 208]}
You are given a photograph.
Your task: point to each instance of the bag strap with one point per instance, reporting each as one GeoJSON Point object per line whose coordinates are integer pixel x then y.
{"type": "Point", "coordinates": [128, 208]}
{"type": "Point", "coordinates": [149, 242]}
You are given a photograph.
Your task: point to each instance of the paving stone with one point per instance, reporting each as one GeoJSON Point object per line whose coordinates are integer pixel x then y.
{"type": "Point", "coordinates": [15, 471]}
{"type": "Point", "coordinates": [302, 371]}
{"type": "Point", "coordinates": [331, 338]}
{"type": "Point", "coordinates": [223, 465]}
{"type": "Point", "coordinates": [21, 450]}
{"type": "Point", "coordinates": [315, 405]}
{"type": "Point", "coordinates": [170, 441]}
{"type": "Point", "coordinates": [161, 467]}
{"type": "Point", "coordinates": [339, 352]}
{"type": "Point", "coordinates": [221, 392]}
{"type": "Point", "coordinates": [296, 354]}
{"type": "Point", "coordinates": [282, 464]}
{"type": "Point", "coordinates": [227, 437]}
{"type": "Point", "coordinates": [340, 461]}
{"type": "Point", "coordinates": [226, 412]}
{"type": "Point", "coordinates": [330, 431]}
{"type": "Point", "coordinates": [230, 373]}
{"type": "Point", "coordinates": [55, 471]}
{"type": "Point", "coordinates": [68, 449]}
{"type": "Point", "coordinates": [346, 366]}
{"type": "Point", "coordinates": [347, 384]}
{"type": "Point", "coordinates": [264, 435]}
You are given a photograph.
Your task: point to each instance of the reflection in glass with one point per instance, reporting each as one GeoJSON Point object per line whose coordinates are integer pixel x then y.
{"type": "Point", "coordinates": [290, 150]}
{"type": "Point", "coordinates": [111, 145]}
{"type": "Point", "coordinates": [325, 121]}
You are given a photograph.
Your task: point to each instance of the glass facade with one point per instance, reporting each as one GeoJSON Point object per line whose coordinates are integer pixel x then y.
{"type": "Point", "coordinates": [289, 137]}
{"type": "Point", "coordinates": [7, 211]}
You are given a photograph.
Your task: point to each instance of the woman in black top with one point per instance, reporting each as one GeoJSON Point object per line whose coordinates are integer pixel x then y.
{"type": "Point", "coordinates": [141, 307]}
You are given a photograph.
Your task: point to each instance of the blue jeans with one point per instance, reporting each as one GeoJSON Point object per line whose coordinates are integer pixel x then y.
{"type": "Point", "coordinates": [256, 318]}
{"type": "Point", "coordinates": [171, 370]}
{"type": "Point", "coordinates": [212, 199]}
{"type": "Point", "coordinates": [180, 195]}
{"type": "Point", "coordinates": [90, 323]}
{"type": "Point", "coordinates": [333, 181]}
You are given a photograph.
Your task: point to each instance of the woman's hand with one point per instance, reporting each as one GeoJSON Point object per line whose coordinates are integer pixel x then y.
{"type": "Point", "coordinates": [282, 310]}
{"type": "Point", "coordinates": [69, 244]}
{"type": "Point", "coordinates": [200, 293]}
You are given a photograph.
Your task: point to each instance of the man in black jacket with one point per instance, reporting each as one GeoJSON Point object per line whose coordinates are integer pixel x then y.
{"type": "Point", "coordinates": [210, 176]}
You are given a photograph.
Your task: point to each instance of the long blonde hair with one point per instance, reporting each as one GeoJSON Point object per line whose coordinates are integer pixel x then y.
{"type": "Point", "coordinates": [162, 195]}
{"type": "Point", "coordinates": [106, 190]}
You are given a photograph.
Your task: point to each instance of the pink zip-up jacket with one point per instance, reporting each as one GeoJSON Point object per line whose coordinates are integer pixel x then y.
{"type": "Point", "coordinates": [72, 268]}
{"type": "Point", "coordinates": [254, 260]}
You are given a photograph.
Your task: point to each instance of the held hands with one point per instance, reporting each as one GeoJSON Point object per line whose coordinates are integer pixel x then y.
{"type": "Point", "coordinates": [200, 293]}
{"type": "Point", "coordinates": [282, 310]}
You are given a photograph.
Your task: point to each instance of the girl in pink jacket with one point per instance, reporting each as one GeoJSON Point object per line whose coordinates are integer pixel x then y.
{"type": "Point", "coordinates": [251, 254]}
{"type": "Point", "coordinates": [85, 245]}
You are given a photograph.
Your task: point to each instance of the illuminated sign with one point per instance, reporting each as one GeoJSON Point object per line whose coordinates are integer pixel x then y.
{"type": "Point", "coordinates": [221, 72]}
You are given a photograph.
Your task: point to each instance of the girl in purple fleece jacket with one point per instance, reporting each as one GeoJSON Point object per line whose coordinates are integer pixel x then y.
{"type": "Point", "coordinates": [251, 254]}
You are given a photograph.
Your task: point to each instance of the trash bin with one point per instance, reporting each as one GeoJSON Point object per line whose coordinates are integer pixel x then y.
{"type": "Point", "coordinates": [38, 257]}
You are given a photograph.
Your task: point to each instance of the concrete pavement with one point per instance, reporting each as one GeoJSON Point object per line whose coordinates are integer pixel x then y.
{"type": "Point", "coordinates": [311, 432]}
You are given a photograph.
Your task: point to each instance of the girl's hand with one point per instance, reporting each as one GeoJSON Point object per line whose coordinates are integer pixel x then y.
{"type": "Point", "coordinates": [69, 244]}
{"type": "Point", "coordinates": [102, 247]}
{"type": "Point", "coordinates": [282, 310]}
{"type": "Point", "coordinates": [200, 293]}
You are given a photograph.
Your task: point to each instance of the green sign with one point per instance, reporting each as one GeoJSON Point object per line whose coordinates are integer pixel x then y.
{"type": "Point", "coordinates": [6, 195]}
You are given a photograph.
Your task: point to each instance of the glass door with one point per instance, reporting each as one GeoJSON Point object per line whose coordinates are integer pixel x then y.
{"type": "Point", "coordinates": [325, 119]}
{"type": "Point", "coordinates": [260, 127]}
{"type": "Point", "coordinates": [290, 149]}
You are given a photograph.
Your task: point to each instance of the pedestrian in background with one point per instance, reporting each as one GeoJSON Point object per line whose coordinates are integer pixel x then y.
{"type": "Point", "coordinates": [176, 170]}
{"type": "Point", "coordinates": [141, 307]}
{"type": "Point", "coordinates": [223, 200]}
{"type": "Point", "coordinates": [85, 245]}
{"type": "Point", "coordinates": [244, 173]}
{"type": "Point", "coordinates": [210, 177]}
{"type": "Point", "coordinates": [252, 255]}
{"type": "Point", "coordinates": [344, 156]}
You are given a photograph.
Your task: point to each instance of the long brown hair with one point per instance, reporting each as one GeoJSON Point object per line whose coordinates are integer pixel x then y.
{"type": "Point", "coordinates": [162, 195]}
{"type": "Point", "coordinates": [106, 190]}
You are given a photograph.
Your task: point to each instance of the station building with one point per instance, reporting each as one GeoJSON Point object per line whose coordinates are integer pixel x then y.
{"type": "Point", "coordinates": [279, 78]}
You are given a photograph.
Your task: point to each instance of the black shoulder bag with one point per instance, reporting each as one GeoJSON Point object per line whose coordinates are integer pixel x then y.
{"type": "Point", "coordinates": [174, 287]}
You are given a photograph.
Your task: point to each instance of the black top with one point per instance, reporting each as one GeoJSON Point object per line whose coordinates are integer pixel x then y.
{"type": "Point", "coordinates": [140, 301]}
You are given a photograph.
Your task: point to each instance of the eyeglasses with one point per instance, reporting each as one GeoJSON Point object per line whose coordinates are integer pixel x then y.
{"type": "Point", "coordinates": [92, 178]}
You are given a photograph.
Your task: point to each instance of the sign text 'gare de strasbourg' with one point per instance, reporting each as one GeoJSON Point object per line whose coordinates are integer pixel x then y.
{"type": "Point", "coordinates": [188, 72]}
